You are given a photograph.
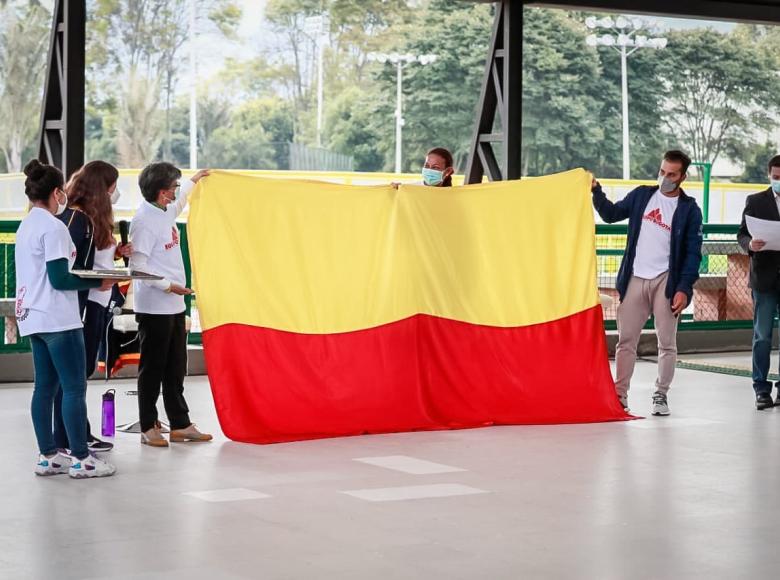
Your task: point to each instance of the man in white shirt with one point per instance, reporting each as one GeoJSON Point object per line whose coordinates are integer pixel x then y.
{"type": "Point", "coordinates": [159, 304]}
{"type": "Point", "coordinates": [658, 270]}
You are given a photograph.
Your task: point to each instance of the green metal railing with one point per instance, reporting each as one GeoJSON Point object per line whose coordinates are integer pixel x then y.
{"type": "Point", "coordinates": [8, 283]}
{"type": "Point", "coordinates": [610, 241]}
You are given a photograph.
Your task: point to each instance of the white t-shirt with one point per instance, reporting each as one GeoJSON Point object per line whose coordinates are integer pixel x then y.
{"type": "Point", "coordinates": [655, 237]}
{"type": "Point", "coordinates": [42, 238]}
{"type": "Point", "coordinates": [156, 250]}
{"type": "Point", "coordinates": [104, 260]}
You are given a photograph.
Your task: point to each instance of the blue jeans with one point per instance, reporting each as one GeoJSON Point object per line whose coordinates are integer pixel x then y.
{"type": "Point", "coordinates": [94, 328]}
{"type": "Point", "coordinates": [765, 306]}
{"type": "Point", "coordinates": [59, 361]}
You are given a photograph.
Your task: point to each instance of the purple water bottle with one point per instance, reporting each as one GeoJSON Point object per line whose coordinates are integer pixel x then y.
{"type": "Point", "coordinates": [108, 423]}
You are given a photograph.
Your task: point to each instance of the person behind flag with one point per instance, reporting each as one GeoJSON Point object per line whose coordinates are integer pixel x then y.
{"type": "Point", "coordinates": [159, 304]}
{"type": "Point", "coordinates": [659, 268]}
{"type": "Point", "coordinates": [765, 283]}
{"type": "Point", "coordinates": [437, 169]}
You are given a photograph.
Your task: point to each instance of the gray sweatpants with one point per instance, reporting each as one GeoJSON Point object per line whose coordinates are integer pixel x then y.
{"type": "Point", "coordinates": [643, 298]}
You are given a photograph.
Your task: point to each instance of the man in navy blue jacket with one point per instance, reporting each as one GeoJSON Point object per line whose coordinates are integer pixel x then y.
{"type": "Point", "coordinates": [659, 268]}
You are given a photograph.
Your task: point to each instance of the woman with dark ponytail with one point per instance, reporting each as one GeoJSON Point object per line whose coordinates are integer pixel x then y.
{"type": "Point", "coordinates": [47, 311]}
{"type": "Point", "coordinates": [90, 220]}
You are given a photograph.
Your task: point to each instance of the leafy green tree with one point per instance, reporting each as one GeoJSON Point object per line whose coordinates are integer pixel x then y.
{"type": "Point", "coordinates": [720, 89]}
{"type": "Point", "coordinates": [241, 80]}
{"type": "Point", "coordinates": [351, 128]}
{"type": "Point", "coordinates": [24, 41]}
{"type": "Point", "coordinates": [647, 133]}
{"type": "Point", "coordinates": [709, 92]}
{"type": "Point", "coordinates": [135, 56]}
{"type": "Point", "coordinates": [243, 143]}
{"type": "Point", "coordinates": [439, 98]}
{"type": "Point", "coordinates": [358, 27]}
{"type": "Point", "coordinates": [295, 49]}
{"type": "Point", "coordinates": [361, 27]}
{"type": "Point", "coordinates": [756, 158]}
{"type": "Point", "coordinates": [140, 131]}
{"type": "Point", "coordinates": [563, 96]}
{"type": "Point", "coordinates": [99, 131]}
{"type": "Point", "coordinates": [278, 122]}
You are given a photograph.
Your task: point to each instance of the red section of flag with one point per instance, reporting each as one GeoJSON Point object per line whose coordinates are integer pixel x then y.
{"type": "Point", "coordinates": [422, 373]}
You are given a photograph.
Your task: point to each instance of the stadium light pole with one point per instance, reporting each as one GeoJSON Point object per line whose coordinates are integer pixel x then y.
{"type": "Point", "coordinates": [194, 89]}
{"type": "Point", "coordinates": [399, 60]}
{"type": "Point", "coordinates": [318, 29]}
{"type": "Point", "coordinates": [624, 37]}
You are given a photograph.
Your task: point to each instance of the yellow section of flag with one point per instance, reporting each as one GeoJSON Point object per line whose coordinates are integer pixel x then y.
{"type": "Point", "coordinates": [320, 258]}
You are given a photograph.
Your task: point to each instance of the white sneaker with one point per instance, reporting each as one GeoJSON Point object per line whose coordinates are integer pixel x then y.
{"type": "Point", "coordinates": [90, 466]}
{"type": "Point", "coordinates": [624, 402]}
{"type": "Point", "coordinates": [54, 465]}
{"type": "Point", "coordinates": [660, 405]}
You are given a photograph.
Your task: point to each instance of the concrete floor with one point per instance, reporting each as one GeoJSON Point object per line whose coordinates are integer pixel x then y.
{"type": "Point", "coordinates": [694, 495]}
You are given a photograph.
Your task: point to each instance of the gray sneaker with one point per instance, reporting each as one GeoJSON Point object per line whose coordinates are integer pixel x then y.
{"type": "Point", "coordinates": [660, 406]}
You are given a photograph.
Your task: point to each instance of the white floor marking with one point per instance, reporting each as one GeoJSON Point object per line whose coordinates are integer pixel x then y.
{"type": "Point", "coordinates": [234, 494]}
{"type": "Point", "coordinates": [407, 464]}
{"type": "Point", "coordinates": [414, 492]}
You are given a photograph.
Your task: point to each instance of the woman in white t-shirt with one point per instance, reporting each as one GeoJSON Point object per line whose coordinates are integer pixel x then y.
{"type": "Point", "coordinates": [47, 310]}
{"type": "Point", "coordinates": [92, 190]}
{"type": "Point", "coordinates": [159, 304]}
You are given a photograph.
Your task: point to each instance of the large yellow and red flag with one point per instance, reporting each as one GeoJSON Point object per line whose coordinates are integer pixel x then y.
{"type": "Point", "coordinates": [336, 310]}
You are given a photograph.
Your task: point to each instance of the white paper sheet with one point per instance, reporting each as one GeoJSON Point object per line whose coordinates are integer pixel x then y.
{"type": "Point", "coordinates": [766, 230]}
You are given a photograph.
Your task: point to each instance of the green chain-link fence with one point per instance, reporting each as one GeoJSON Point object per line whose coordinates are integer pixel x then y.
{"type": "Point", "coordinates": [721, 297]}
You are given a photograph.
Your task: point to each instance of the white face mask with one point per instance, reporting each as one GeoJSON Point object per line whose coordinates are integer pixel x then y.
{"type": "Point", "coordinates": [170, 200]}
{"type": "Point", "coordinates": [666, 185]}
{"type": "Point", "coordinates": [115, 195]}
{"type": "Point", "coordinates": [61, 207]}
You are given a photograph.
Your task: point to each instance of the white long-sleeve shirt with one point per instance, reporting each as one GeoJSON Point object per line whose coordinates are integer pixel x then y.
{"type": "Point", "coordinates": [156, 250]}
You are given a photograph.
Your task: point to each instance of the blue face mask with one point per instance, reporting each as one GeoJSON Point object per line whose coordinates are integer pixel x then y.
{"type": "Point", "coordinates": [776, 186]}
{"type": "Point", "coordinates": [432, 176]}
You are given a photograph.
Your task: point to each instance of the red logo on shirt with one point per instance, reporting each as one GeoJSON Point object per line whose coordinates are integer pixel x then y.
{"type": "Point", "coordinates": [174, 239]}
{"type": "Point", "coordinates": [654, 216]}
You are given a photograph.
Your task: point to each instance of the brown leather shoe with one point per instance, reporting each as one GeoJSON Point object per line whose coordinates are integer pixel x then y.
{"type": "Point", "coordinates": [153, 437]}
{"type": "Point", "coordinates": [191, 433]}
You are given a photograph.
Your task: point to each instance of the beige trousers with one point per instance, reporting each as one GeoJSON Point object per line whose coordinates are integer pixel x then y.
{"type": "Point", "coordinates": [643, 298]}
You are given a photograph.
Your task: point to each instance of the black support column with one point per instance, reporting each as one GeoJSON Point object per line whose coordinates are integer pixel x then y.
{"type": "Point", "coordinates": [499, 111]}
{"type": "Point", "coordinates": [62, 117]}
